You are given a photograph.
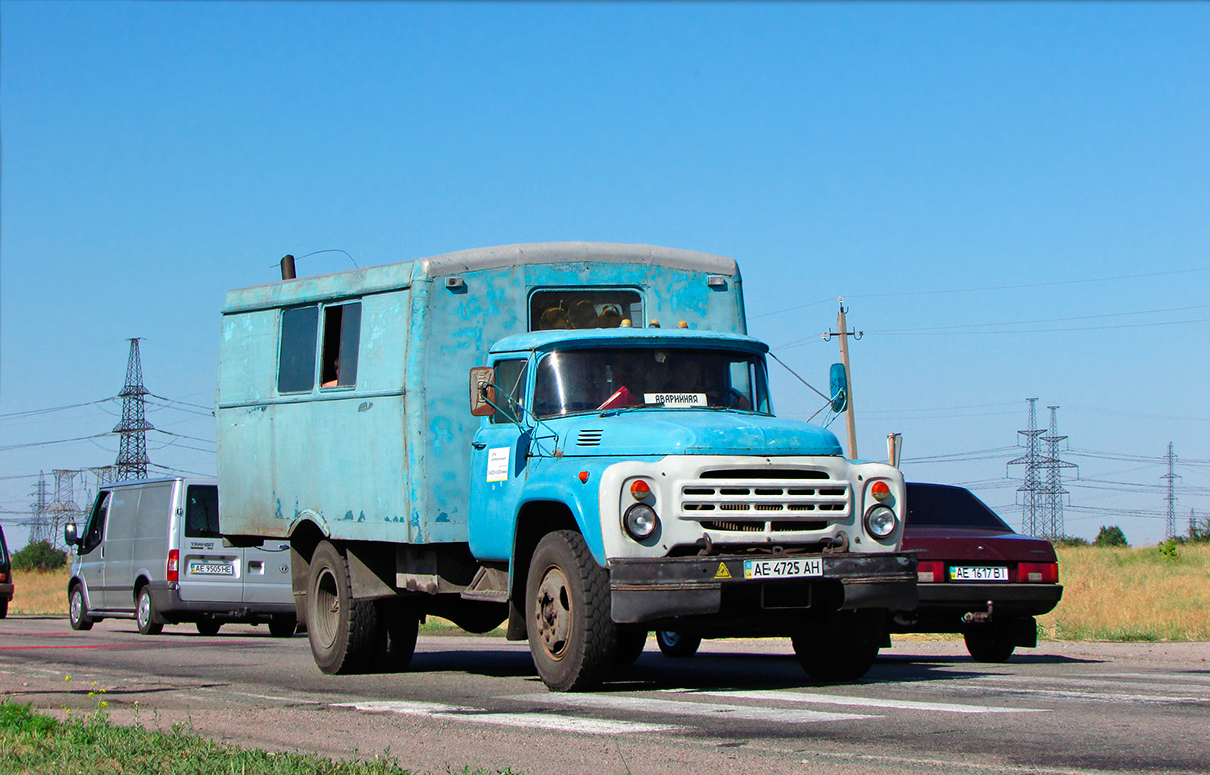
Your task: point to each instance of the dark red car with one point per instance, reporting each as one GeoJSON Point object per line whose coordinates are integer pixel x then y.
{"type": "Point", "coordinates": [976, 576]}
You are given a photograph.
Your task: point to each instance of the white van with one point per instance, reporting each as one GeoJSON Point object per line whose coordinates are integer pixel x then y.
{"type": "Point", "coordinates": [152, 551]}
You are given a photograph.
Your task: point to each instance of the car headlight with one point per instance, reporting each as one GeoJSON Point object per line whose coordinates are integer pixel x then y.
{"type": "Point", "coordinates": [640, 521]}
{"type": "Point", "coordinates": [880, 521]}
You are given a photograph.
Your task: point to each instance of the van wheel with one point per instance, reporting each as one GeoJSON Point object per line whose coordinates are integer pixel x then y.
{"type": "Point", "coordinates": [208, 627]}
{"type": "Point", "coordinates": [344, 632]}
{"type": "Point", "coordinates": [841, 648]}
{"type": "Point", "coordinates": [282, 626]}
{"type": "Point", "coordinates": [77, 609]}
{"type": "Point", "coordinates": [571, 636]}
{"type": "Point", "coordinates": [676, 644]}
{"type": "Point", "coordinates": [145, 614]}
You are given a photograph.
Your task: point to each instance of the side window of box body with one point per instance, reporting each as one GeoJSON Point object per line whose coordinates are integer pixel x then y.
{"type": "Point", "coordinates": [302, 349]}
{"type": "Point", "coordinates": [296, 356]}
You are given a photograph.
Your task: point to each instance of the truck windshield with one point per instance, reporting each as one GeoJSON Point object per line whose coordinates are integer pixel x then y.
{"type": "Point", "coordinates": [571, 381]}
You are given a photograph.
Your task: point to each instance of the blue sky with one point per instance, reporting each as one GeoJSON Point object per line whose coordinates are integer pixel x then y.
{"type": "Point", "coordinates": [1012, 198]}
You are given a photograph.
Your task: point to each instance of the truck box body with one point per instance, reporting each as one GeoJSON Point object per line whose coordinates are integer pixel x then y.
{"type": "Point", "coordinates": [386, 459]}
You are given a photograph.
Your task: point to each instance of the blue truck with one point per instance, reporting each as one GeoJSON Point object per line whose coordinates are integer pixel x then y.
{"type": "Point", "coordinates": [573, 438]}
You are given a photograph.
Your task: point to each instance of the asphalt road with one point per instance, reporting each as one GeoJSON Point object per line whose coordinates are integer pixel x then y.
{"type": "Point", "coordinates": [738, 706]}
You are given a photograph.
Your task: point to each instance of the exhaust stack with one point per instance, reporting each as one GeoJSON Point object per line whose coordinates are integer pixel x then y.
{"type": "Point", "coordinates": [287, 267]}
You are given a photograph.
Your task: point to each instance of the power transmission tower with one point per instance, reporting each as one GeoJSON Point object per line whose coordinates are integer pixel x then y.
{"type": "Point", "coordinates": [132, 454]}
{"type": "Point", "coordinates": [1171, 476]}
{"type": "Point", "coordinates": [1053, 492]}
{"type": "Point", "coordinates": [62, 509]}
{"type": "Point", "coordinates": [1031, 489]}
{"type": "Point", "coordinates": [39, 522]}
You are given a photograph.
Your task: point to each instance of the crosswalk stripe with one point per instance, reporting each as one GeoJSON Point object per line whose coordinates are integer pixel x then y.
{"type": "Point", "coordinates": [861, 702]}
{"type": "Point", "coordinates": [681, 708]}
{"type": "Point", "coordinates": [1078, 695]}
{"type": "Point", "coordinates": [547, 721]}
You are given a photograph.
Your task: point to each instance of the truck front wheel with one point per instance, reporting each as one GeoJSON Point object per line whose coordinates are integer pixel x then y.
{"type": "Point", "coordinates": [344, 632]}
{"type": "Point", "coordinates": [841, 648]}
{"type": "Point", "coordinates": [571, 635]}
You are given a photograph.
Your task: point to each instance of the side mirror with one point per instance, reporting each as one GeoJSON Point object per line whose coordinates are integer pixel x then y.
{"type": "Point", "coordinates": [483, 391]}
{"type": "Point", "coordinates": [69, 534]}
{"type": "Point", "coordinates": [840, 388]}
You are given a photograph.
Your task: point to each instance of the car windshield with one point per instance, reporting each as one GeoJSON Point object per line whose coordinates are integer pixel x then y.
{"type": "Point", "coordinates": [570, 381]}
{"type": "Point", "coordinates": [940, 505]}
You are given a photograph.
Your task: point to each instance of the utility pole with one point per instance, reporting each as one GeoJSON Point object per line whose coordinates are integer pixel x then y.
{"type": "Point", "coordinates": [844, 334]}
{"type": "Point", "coordinates": [1171, 476]}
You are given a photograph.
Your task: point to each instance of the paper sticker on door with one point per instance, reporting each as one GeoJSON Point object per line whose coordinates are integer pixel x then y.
{"type": "Point", "coordinates": [497, 464]}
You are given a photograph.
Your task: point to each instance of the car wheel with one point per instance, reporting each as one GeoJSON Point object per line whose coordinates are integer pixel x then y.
{"type": "Point", "coordinates": [282, 626]}
{"type": "Point", "coordinates": [631, 642]}
{"type": "Point", "coordinates": [676, 644]}
{"type": "Point", "coordinates": [344, 632]}
{"type": "Point", "coordinates": [3, 608]}
{"type": "Point", "coordinates": [842, 648]}
{"type": "Point", "coordinates": [208, 627]}
{"type": "Point", "coordinates": [77, 609]}
{"type": "Point", "coordinates": [989, 645]}
{"type": "Point", "coordinates": [571, 636]}
{"type": "Point", "coordinates": [145, 613]}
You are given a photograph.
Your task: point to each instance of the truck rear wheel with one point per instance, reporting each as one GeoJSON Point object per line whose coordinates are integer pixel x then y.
{"type": "Point", "coordinates": [344, 632]}
{"type": "Point", "coordinates": [632, 640]}
{"type": "Point", "coordinates": [401, 621]}
{"type": "Point", "coordinates": [208, 627]}
{"type": "Point", "coordinates": [571, 635]}
{"type": "Point", "coordinates": [841, 648]}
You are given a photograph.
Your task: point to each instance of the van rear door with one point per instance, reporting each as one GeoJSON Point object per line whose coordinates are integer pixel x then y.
{"type": "Point", "coordinates": [209, 571]}
{"type": "Point", "coordinates": [267, 579]}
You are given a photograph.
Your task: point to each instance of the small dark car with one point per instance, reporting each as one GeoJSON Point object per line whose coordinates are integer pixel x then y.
{"type": "Point", "coordinates": [975, 576]}
{"type": "Point", "coordinates": [6, 577]}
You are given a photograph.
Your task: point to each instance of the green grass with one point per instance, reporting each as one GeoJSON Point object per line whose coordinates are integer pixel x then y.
{"type": "Point", "coordinates": [89, 744]}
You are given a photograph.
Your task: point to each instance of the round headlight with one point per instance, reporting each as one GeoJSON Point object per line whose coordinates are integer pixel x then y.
{"type": "Point", "coordinates": [880, 521]}
{"type": "Point", "coordinates": [640, 521]}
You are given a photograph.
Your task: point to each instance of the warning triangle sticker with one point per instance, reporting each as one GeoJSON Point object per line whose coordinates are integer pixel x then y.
{"type": "Point", "coordinates": [722, 572]}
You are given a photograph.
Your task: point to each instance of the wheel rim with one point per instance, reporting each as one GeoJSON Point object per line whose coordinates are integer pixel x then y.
{"type": "Point", "coordinates": [144, 609]}
{"type": "Point", "coordinates": [326, 608]}
{"type": "Point", "coordinates": [77, 606]}
{"type": "Point", "coordinates": [554, 612]}
{"type": "Point", "coordinates": [671, 639]}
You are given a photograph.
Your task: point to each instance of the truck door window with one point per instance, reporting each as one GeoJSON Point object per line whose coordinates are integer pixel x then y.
{"type": "Point", "coordinates": [342, 336]}
{"type": "Point", "coordinates": [201, 511]}
{"type": "Point", "coordinates": [96, 523]}
{"type": "Point", "coordinates": [570, 308]}
{"type": "Point", "coordinates": [296, 357]}
{"type": "Point", "coordinates": [510, 381]}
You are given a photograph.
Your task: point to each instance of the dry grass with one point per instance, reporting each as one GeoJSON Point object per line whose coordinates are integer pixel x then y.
{"type": "Point", "coordinates": [1132, 595]}
{"type": "Point", "coordinates": [37, 592]}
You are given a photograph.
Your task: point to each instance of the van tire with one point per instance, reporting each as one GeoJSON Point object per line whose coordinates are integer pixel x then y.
{"type": "Point", "coordinates": [145, 615]}
{"type": "Point", "coordinates": [571, 636]}
{"type": "Point", "coordinates": [208, 627]}
{"type": "Point", "coordinates": [282, 626]}
{"type": "Point", "coordinates": [77, 609]}
{"type": "Point", "coordinates": [344, 632]}
{"type": "Point", "coordinates": [676, 644]}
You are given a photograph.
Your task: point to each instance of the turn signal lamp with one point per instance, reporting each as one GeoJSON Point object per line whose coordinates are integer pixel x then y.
{"type": "Point", "coordinates": [639, 490]}
{"type": "Point", "coordinates": [1038, 572]}
{"type": "Point", "coordinates": [173, 571]}
{"type": "Point", "coordinates": [880, 491]}
{"type": "Point", "coordinates": [583, 477]}
{"type": "Point", "coordinates": [930, 571]}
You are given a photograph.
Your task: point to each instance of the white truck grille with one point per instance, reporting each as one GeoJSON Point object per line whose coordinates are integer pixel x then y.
{"type": "Point", "coordinates": [759, 500]}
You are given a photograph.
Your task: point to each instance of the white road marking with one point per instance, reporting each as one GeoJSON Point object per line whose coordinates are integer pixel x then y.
{"type": "Point", "coordinates": [1121, 697]}
{"type": "Point", "coordinates": [589, 726]}
{"type": "Point", "coordinates": [861, 702]}
{"type": "Point", "coordinates": [1162, 677]}
{"type": "Point", "coordinates": [680, 708]}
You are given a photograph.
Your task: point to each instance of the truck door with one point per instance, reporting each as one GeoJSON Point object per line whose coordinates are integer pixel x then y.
{"type": "Point", "coordinates": [498, 464]}
{"type": "Point", "coordinates": [209, 570]}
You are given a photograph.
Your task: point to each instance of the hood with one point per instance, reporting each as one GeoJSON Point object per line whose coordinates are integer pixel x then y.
{"type": "Point", "coordinates": [659, 432]}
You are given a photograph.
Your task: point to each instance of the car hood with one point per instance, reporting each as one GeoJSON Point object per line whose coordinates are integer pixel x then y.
{"type": "Point", "coordinates": [975, 545]}
{"type": "Point", "coordinates": [689, 432]}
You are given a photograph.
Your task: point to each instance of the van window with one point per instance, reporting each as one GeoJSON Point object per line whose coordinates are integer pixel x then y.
{"type": "Point", "coordinates": [342, 332]}
{"type": "Point", "coordinates": [201, 511]}
{"type": "Point", "coordinates": [510, 381]}
{"type": "Point", "coordinates": [95, 530]}
{"type": "Point", "coordinates": [584, 309]}
{"type": "Point", "coordinates": [296, 357]}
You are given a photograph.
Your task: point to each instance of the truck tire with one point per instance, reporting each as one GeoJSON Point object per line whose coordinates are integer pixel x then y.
{"type": "Point", "coordinates": [344, 632]}
{"type": "Point", "coordinates": [676, 644]}
{"type": "Point", "coordinates": [77, 609]}
{"type": "Point", "coordinates": [841, 648]}
{"type": "Point", "coordinates": [988, 644]}
{"type": "Point", "coordinates": [631, 642]}
{"type": "Point", "coordinates": [208, 627]}
{"type": "Point", "coordinates": [571, 636]}
{"type": "Point", "coordinates": [145, 615]}
{"type": "Point", "coordinates": [282, 625]}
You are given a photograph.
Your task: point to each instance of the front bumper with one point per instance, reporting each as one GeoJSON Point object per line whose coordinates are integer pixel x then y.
{"type": "Point", "coordinates": [649, 590]}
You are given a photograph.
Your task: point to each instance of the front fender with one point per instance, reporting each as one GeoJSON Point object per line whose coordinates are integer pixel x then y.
{"type": "Point", "coordinates": [561, 484]}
